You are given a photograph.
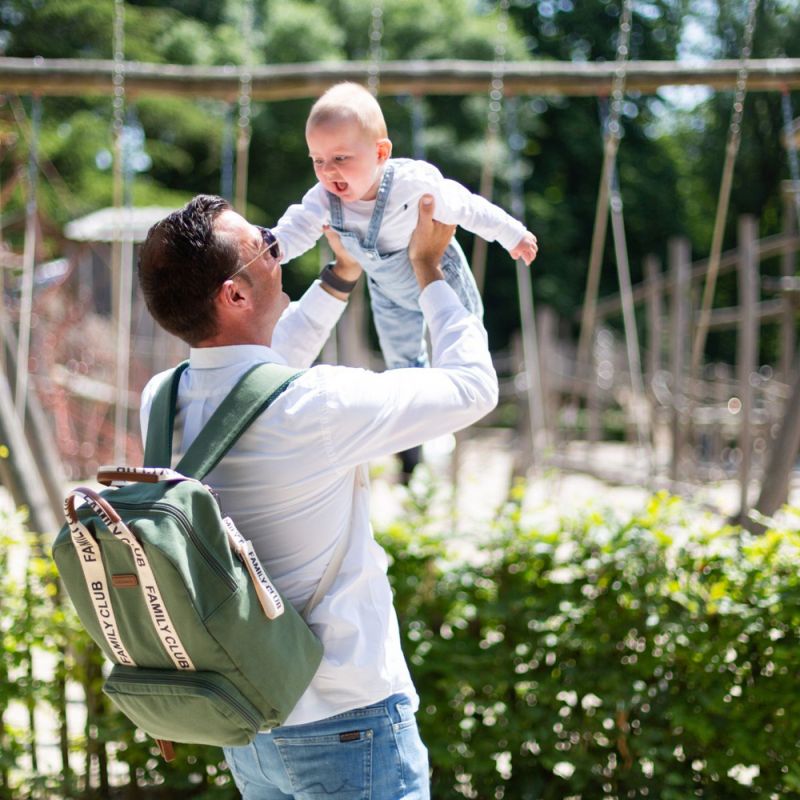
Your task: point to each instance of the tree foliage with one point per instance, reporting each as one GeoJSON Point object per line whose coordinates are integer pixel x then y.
{"type": "Point", "coordinates": [670, 158]}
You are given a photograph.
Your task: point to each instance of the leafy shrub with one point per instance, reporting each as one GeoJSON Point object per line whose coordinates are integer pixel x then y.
{"type": "Point", "coordinates": [654, 656]}
{"type": "Point", "coordinates": [645, 657]}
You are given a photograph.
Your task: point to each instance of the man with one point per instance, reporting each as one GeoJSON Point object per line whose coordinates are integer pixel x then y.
{"type": "Point", "coordinates": [295, 481]}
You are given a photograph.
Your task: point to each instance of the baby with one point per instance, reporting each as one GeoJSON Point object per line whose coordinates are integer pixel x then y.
{"type": "Point", "coordinates": [371, 200]}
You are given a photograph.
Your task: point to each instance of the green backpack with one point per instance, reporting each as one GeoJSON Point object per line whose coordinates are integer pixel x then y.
{"type": "Point", "coordinates": [204, 648]}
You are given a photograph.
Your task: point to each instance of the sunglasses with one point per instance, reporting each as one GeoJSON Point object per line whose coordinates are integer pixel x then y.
{"type": "Point", "coordinates": [271, 246]}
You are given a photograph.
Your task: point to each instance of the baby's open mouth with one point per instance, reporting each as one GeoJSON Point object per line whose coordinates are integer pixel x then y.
{"type": "Point", "coordinates": [340, 185]}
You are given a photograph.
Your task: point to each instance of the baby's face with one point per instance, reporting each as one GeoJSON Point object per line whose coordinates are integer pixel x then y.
{"type": "Point", "coordinates": [347, 160]}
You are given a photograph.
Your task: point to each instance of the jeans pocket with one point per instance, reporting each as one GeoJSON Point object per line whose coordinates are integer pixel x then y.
{"type": "Point", "coordinates": [402, 714]}
{"type": "Point", "coordinates": [337, 765]}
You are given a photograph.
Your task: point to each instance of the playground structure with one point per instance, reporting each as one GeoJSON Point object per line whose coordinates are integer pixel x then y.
{"type": "Point", "coordinates": [685, 422]}
{"type": "Point", "coordinates": [673, 404]}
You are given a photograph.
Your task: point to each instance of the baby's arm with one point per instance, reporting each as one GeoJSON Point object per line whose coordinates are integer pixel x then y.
{"type": "Point", "coordinates": [526, 248]}
{"type": "Point", "coordinates": [476, 214]}
{"type": "Point", "coordinates": [301, 225]}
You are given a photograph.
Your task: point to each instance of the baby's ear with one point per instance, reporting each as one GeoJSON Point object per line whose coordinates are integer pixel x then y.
{"type": "Point", "coordinates": [384, 149]}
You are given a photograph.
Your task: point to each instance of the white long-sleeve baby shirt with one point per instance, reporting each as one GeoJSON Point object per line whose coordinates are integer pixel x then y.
{"type": "Point", "coordinates": [301, 226]}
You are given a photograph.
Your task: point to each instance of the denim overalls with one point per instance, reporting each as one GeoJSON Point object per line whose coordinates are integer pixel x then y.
{"type": "Point", "coordinates": [393, 288]}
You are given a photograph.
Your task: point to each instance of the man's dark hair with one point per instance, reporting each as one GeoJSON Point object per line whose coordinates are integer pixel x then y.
{"type": "Point", "coordinates": [182, 264]}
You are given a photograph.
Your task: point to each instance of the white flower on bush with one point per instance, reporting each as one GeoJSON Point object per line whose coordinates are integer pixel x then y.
{"type": "Point", "coordinates": [590, 701]}
{"type": "Point", "coordinates": [564, 769]}
{"type": "Point", "coordinates": [744, 774]}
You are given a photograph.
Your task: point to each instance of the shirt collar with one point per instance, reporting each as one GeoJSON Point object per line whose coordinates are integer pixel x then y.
{"type": "Point", "coordinates": [216, 357]}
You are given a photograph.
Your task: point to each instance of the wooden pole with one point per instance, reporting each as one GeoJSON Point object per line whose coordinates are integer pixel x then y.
{"type": "Point", "coordinates": [118, 189]}
{"type": "Point", "coordinates": [84, 77]}
{"type": "Point", "coordinates": [548, 339]}
{"type": "Point", "coordinates": [788, 259]}
{"type": "Point", "coordinates": [679, 261]}
{"type": "Point", "coordinates": [19, 473]}
{"type": "Point", "coordinates": [39, 433]}
{"type": "Point", "coordinates": [28, 264]}
{"type": "Point", "coordinates": [638, 403]}
{"type": "Point", "coordinates": [655, 322]}
{"type": "Point", "coordinates": [783, 453]}
{"type": "Point", "coordinates": [731, 150]}
{"type": "Point", "coordinates": [747, 352]}
{"type": "Point", "coordinates": [768, 247]}
{"type": "Point", "coordinates": [124, 313]}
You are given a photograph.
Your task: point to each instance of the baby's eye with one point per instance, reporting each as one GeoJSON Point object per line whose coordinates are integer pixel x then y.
{"type": "Point", "coordinates": [341, 158]}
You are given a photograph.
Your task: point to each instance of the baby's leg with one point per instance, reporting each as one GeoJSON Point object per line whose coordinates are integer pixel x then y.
{"type": "Point", "coordinates": [459, 277]}
{"type": "Point", "coordinates": [401, 331]}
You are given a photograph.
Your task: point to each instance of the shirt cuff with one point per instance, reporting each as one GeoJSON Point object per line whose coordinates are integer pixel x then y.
{"type": "Point", "coordinates": [324, 306]}
{"type": "Point", "coordinates": [437, 296]}
{"type": "Point", "coordinates": [512, 236]}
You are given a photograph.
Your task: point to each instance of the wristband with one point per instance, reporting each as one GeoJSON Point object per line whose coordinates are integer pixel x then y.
{"type": "Point", "coordinates": [334, 281]}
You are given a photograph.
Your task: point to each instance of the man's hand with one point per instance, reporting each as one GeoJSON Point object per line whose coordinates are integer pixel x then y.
{"type": "Point", "coordinates": [428, 243]}
{"type": "Point", "coordinates": [346, 267]}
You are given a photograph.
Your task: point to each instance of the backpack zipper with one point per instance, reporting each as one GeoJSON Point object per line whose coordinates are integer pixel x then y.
{"type": "Point", "coordinates": [185, 524]}
{"type": "Point", "coordinates": [189, 680]}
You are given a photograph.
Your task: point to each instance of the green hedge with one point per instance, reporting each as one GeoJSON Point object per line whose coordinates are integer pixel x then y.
{"type": "Point", "coordinates": [655, 656]}
{"type": "Point", "coordinates": [650, 657]}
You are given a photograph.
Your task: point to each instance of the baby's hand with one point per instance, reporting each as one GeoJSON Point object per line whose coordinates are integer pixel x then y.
{"type": "Point", "coordinates": [526, 248]}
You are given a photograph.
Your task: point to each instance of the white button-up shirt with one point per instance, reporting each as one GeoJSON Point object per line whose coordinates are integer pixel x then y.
{"type": "Point", "coordinates": [295, 483]}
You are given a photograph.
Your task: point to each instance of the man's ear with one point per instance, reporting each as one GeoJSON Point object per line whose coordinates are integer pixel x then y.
{"type": "Point", "coordinates": [229, 294]}
{"type": "Point", "coordinates": [384, 149]}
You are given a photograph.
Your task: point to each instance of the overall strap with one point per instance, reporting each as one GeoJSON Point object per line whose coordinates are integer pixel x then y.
{"type": "Point", "coordinates": [254, 392]}
{"type": "Point", "coordinates": [380, 206]}
{"type": "Point", "coordinates": [337, 217]}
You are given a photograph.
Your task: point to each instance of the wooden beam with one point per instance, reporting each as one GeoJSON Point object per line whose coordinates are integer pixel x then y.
{"type": "Point", "coordinates": [71, 77]}
{"type": "Point", "coordinates": [767, 247]}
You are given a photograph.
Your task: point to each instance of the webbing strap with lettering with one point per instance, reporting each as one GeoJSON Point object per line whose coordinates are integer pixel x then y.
{"type": "Point", "coordinates": [156, 607]}
{"type": "Point", "coordinates": [268, 595]}
{"type": "Point", "coordinates": [95, 575]}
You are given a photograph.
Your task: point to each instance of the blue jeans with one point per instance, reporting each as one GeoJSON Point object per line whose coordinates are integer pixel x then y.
{"type": "Point", "coordinates": [370, 753]}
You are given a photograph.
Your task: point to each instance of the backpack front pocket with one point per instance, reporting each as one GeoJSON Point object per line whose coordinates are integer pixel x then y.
{"type": "Point", "coordinates": [184, 706]}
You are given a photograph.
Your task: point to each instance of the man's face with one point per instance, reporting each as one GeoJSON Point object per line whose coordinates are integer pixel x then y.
{"type": "Point", "coordinates": [346, 159]}
{"type": "Point", "coordinates": [262, 277]}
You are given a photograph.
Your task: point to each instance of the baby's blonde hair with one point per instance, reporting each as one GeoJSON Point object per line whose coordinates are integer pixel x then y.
{"type": "Point", "coordinates": [348, 102]}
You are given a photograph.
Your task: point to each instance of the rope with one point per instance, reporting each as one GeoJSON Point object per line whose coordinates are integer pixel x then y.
{"type": "Point", "coordinates": [226, 155]}
{"type": "Point", "coordinates": [118, 102]}
{"type": "Point", "coordinates": [530, 344]}
{"type": "Point", "coordinates": [496, 94]}
{"type": "Point", "coordinates": [791, 150]}
{"type": "Point", "coordinates": [731, 151]}
{"type": "Point", "coordinates": [612, 137]}
{"type": "Point", "coordinates": [245, 110]}
{"type": "Point", "coordinates": [417, 127]}
{"type": "Point", "coordinates": [628, 312]}
{"type": "Point", "coordinates": [375, 50]}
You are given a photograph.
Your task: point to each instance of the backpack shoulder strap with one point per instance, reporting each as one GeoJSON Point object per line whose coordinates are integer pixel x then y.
{"type": "Point", "coordinates": [255, 390]}
{"type": "Point", "coordinates": [158, 447]}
